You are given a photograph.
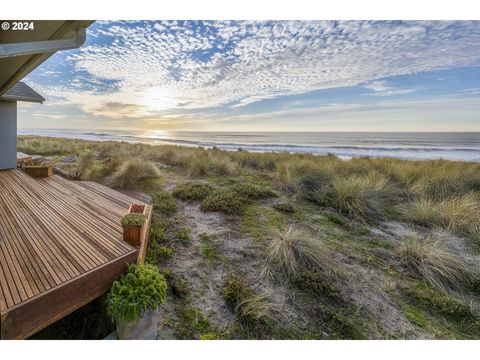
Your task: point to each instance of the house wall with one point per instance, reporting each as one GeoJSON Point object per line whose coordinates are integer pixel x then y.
{"type": "Point", "coordinates": [8, 134]}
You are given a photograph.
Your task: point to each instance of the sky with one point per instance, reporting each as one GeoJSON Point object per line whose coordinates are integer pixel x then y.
{"type": "Point", "coordinates": [263, 76]}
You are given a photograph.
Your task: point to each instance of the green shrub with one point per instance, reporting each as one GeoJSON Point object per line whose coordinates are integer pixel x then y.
{"type": "Point", "coordinates": [141, 289]}
{"type": "Point", "coordinates": [190, 322]}
{"type": "Point", "coordinates": [226, 201]}
{"type": "Point", "coordinates": [434, 262]}
{"type": "Point", "coordinates": [184, 236]}
{"type": "Point", "coordinates": [209, 253]}
{"type": "Point", "coordinates": [342, 325]}
{"type": "Point", "coordinates": [157, 234]}
{"type": "Point", "coordinates": [131, 172]}
{"type": "Point", "coordinates": [133, 219]}
{"type": "Point", "coordinates": [451, 314]}
{"type": "Point", "coordinates": [440, 303]}
{"type": "Point", "coordinates": [164, 203]}
{"type": "Point", "coordinates": [315, 283]}
{"type": "Point", "coordinates": [158, 254]}
{"type": "Point", "coordinates": [165, 252]}
{"type": "Point", "coordinates": [253, 192]}
{"type": "Point", "coordinates": [192, 191]}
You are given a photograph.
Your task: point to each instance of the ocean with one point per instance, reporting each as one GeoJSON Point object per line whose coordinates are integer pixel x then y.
{"type": "Point", "coordinates": [463, 146]}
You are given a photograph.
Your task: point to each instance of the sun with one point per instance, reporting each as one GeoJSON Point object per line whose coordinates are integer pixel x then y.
{"type": "Point", "coordinates": [159, 98]}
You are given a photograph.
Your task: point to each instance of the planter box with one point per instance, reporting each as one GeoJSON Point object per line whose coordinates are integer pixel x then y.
{"type": "Point", "coordinates": [132, 233]}
{"type": "Point", "coordinates": [144, 328]}
{"type": "Point", "coordinates": [39, 171]}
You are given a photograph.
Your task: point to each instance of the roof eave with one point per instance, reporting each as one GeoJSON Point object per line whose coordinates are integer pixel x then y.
{"type": "Point", "coordinates": [36, 59]}
{"type": "Point", "coordinates": [19, 98]}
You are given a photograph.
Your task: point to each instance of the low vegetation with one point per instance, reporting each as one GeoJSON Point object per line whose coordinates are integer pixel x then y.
{"type": "Point", "coordinates": [131, 172]}
{"type": "Point", "coordinates": [163, 203]}
{"type": "Point", "coordinates": [133, 219]}
{"type": "Point", "coordinates": [226, 201]}
{"type": "Point", "coordinates": [430, 259]}
{"type": "Point", "coordinates": [251, 309]}
{"type": "Point", "coordinates": [291, 249]}
{"type": "Point", "coordinates": [192, 191]}
{"type": "Point", "coordinates": [142, 288]}
{"type": "Point", "coordinates": [233, 200]}
{"type": "Point", "coordinates": [322, 244]}
{"type": "Point", "coordinates": [443, 314]}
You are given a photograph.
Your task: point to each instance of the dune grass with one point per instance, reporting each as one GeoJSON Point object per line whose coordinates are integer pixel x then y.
{"type": "Point", "coordinates": [370, 197]}
{"type": "Point", "coordinates": [291, 250]}
{"type": "Point", "coordinates": [460, 214]}
{"type": "Point", "coordinates": [131, 172]}
{"type": "Point", "coordinates": [430, 259]}
{"type": "Point", "coordinates": [251, 309]}
{"type": "Point", "coordinates": [208, 164]}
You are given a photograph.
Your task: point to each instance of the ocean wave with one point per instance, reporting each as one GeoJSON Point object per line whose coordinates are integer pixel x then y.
{"type": "Point", "coordinates": [413, 150]}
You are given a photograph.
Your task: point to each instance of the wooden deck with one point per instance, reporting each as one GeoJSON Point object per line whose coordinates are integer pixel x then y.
{"type": "Point", "coordinates": [60, 247]}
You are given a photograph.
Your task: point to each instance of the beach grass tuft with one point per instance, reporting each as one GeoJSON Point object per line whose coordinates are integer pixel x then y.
{"type": "Point", "coordinates": [131, 172]}
{"type": "Point", "coordinates": [430, 259]}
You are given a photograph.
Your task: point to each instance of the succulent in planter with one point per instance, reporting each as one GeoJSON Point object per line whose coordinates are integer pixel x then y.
{"type": "Point", "coordinates": [134, 301]}
{"type": "Point", "coordinates": [137, 208]}
{"type": "Point", "coordinates": [132, 228]}
{"type": "Point", "coordinates": [133, 219]}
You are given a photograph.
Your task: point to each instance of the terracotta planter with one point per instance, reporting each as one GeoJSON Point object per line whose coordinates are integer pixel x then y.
{"type": "Point", "coordinates": [39, 171]}
{"type": "Point", "coordinates": [132, 234]}
{"type": "Point", "coordinates": [144, 328]}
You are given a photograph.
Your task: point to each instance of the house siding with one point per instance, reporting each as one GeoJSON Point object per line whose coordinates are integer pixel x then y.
{"type": "Point", "coordinates": [8, 135]}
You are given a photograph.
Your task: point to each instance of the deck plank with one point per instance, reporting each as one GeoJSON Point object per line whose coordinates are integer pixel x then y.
{"type": "Point", "coordinates": [53, 231]}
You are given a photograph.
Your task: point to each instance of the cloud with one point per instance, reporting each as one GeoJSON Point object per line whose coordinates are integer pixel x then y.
{"type": "Point", "coordinates": [198, 65]}
{"type": "Point", "coordinates": [50, 116]}
{"type": "Point", "coordinates": [378, 86]}
{"type": "Point", "coordinates": [440, 107]}
{"type": "Point", "coordinates": [381, 88]}
{"type": "Point", "coordinates": [115, 109]}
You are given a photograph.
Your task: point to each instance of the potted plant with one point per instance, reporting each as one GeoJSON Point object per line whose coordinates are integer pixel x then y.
{"type": "Point", "coordinates": [134, 302]}
{"type": "Point", "coordinates": [132, 228]}
{"type": "Point", "coordinates": [39, 171]}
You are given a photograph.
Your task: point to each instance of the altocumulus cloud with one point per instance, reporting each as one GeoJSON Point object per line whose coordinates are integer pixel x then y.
{"type": "Point", "coordinates": [170, 65]}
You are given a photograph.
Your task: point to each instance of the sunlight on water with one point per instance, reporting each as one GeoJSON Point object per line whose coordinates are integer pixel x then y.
{"type": "Point", "coordinates": [156, 134]}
